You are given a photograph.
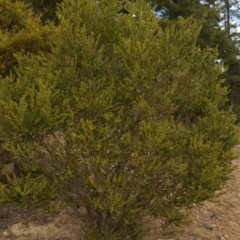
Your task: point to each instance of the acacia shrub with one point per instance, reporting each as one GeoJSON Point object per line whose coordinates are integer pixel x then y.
{"type": "Point", "coordinates": [124, 115]}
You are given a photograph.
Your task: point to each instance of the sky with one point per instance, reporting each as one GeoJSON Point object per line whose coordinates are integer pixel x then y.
{"type": "Point", "coordinates": [238, 28]}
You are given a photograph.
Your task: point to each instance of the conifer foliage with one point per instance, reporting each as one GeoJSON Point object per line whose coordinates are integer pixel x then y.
{"type": "Point", "coordinates": [124, 114]}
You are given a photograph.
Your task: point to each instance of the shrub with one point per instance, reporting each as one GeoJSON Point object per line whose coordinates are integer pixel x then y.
{"type": "Point", "coordinates": [28, 191]}
{"type": "Point", "coordinates": [124, 114]}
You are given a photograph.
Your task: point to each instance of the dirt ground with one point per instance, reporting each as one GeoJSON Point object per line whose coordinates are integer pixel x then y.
{"type": "Point", "coordinates": [218, 220]}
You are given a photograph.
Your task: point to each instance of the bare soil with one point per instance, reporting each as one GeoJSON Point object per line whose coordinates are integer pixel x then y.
{"type": "Point", "coordinates": [210, 220]}
{"type": "Point", "coordinates": [218, 219]}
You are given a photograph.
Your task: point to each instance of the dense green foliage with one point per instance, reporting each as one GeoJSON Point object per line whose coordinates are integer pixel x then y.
{"type": "Point", "coordinates": [124, 114]}
{"type": "Point", "coordinates": [218, 30]}
{"type": "Point", "coordinates": [45, 8]}
{"type": "Point", "coordinates": [28, 191]}
{"type": "Point", "coordinates": [20, 31]}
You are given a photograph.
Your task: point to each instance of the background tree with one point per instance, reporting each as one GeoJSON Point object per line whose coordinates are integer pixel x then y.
{"type": "Point", "coordinates": [229, 10]}
{"type": "Point", "coordinates": [124, 132]}
{"type": "Point", "coordinates": [45, 8]}
{"type": "Point", "coordinates": [216, 14]}
{"type": "Point", "coordinates": [20, 31]}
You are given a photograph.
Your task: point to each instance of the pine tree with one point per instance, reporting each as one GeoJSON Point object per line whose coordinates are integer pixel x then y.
{"type": "Point", "coordinates": [123, 114]}
{"type": "Point", "coordinates": [229, 9]}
